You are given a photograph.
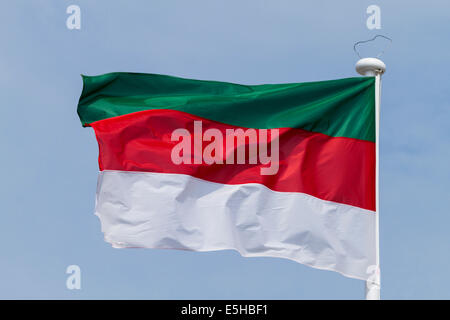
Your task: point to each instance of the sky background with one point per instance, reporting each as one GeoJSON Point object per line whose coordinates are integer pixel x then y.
{"type": "Point", "coordinates": [49, 162]}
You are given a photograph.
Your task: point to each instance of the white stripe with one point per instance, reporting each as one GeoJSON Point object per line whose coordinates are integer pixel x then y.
{"type": "Point", "coordinates": [157, 210]}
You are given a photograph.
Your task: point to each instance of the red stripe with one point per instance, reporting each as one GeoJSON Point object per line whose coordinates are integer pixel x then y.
{"type": "Point", "coordinates": [330, 168]}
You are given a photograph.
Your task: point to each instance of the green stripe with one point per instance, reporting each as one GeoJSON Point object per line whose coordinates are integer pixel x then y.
{"type": "Point", "coordinates": [338, 108]}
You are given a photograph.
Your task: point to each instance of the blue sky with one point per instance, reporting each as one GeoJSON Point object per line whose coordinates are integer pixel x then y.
{"type": "Point", "coordinates": [50, 167]}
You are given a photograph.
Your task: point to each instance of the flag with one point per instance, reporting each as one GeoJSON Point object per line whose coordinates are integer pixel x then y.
{"type": "Point", "coordinates": [274, 170]}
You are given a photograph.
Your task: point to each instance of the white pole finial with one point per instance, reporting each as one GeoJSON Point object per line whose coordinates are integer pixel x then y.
{"type": "Point", "coordinates": [370, 67]}
{"type": "Point", "coordinates": [374, 67]}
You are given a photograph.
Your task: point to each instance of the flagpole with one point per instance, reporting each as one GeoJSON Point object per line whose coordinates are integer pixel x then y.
{"type": "Point", "coordinates": [374, 68]}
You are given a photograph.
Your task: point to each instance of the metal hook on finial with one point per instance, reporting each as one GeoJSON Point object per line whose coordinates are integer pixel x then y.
{"type": "Point", "coordinates": [364, 41]}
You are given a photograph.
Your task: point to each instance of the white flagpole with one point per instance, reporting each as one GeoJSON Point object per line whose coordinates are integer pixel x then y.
{"type": "Point", "coordinates": [375, 68]}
